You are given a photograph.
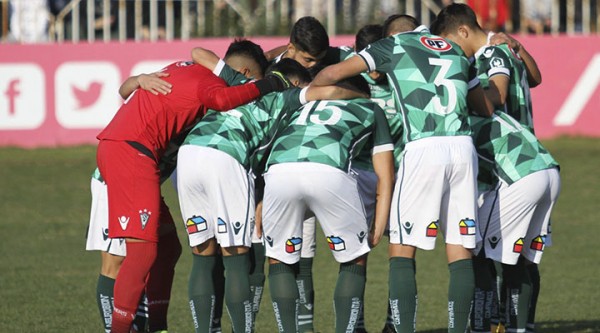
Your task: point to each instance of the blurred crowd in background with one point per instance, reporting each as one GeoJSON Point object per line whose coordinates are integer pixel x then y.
{"type": "Point", "coordinates": [35, 21]}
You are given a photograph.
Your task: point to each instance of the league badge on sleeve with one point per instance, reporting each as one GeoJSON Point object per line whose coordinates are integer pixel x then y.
{"type": "Point", "coordinates": [293, 244]}
{"type": "Point", "coordinates": [336, 243]}
{"type": "Point", "coordinates": [195, 224]}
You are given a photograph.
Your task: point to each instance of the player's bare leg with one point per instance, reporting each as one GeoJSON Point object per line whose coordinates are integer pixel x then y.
{"type": "Point", "coordinates": [460, 288]}
{"type": "Point", "coordinates": [349, 294]}
{"type": "Point", "coordinates": [403, 287]}
{"type": "Point", "coordinates": [284, 294]}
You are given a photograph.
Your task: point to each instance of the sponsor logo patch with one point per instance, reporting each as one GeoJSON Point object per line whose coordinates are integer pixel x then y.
{"type": "Point", "coordinates": [361, 236]}
{"type": "Point", "coordinates": [195, 224]}
{"type": "Point", "coordinates": [538, 243]}
{"type": "Point", "coordinates": [436, 43]}
{"type": "Point", "coordinates": [497, 62]}
{"type": "Point", "coordinates": [237, 226]}
{"type": "Point", "coordinates": [432, 229]}
{"type": "Point", "coordinates": [336, 243]}
{"type": "Point", "coordinates": [221, 226]}
{"type": "Point", "coordinates": [407, 226]}
{"type": "Point", "coordinates": [269, 240]}
{"type": "Point", "coordinates": [493, 242]}
{"type": "Point", "coordinates": [467, 227]}
{"type": "Point", "coordinates": [293, 244]}
{"type": "Point", "coordinates": [518, 246]}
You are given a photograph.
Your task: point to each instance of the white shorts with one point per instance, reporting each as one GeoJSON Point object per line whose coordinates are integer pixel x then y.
{"type": "Point", "coordinates": [97, 234]}
{"type": "Point", "coordinates": [514, 219]}
{"type": "Point", "coordinates": [367, 188]}
{"type": "Point", "coordinates": [309, 236]}
{"type": "Point", "coordinates": [436, 188]}
{"type": "Point", "coordinates": [291, 190]}
{"type": "Point", "coordinates": [216, 197]}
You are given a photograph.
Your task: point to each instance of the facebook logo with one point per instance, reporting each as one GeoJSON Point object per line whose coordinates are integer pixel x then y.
{"type": "Point", "coordinates": [22, 96]}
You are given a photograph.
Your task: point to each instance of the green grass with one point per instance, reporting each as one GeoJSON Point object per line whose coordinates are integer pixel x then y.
{"type": "Point", "coordinates": [47, 279]}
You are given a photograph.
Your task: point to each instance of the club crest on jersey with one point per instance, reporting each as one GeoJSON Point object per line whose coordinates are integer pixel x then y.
{"type": "Point", "coordinates": [436, 43]}
{"type": "Point", "coordinates": [195, 224]}
{"type": "Point", "coordinates": [293, 244]}
{"type": "Point", "coordinates": [336, 243]}
{"type": "Point", "coordinates": [518, 247]}
{"type": "Point", "coordinates": [144, 217]}
{"type": "Point", "coordinates": [221, 226]}
{"type": "Point", "coordinates": [123, 221]}
{"type": "Point", "coordinates": [105, 233]}
{"type": "Point", "coordinates": [488, 52]}
{"type": "Point", "coordinates": [184, 63]}
{"type": "Point", "coordinates": [467, 227]}
{"type": "Point", "coordinates": [432, 229]}
{"type": "Point", "coordinates": [538, 243]}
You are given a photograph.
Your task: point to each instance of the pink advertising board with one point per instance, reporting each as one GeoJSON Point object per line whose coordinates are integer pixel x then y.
{"type": "Point", "coordinates": [64, 94]}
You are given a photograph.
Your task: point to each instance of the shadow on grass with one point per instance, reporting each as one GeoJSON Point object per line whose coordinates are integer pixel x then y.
{"type": "Point", "coordinates": [560, 326]}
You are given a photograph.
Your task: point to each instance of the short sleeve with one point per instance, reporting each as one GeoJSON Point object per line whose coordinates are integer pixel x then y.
{"type": "Point", "coordinates": [377, 55]}
{"type": "Point", "coordinates": [382, 140]}
{"type": "Point", "coordinates": [231, 76]}
{"type": "Point", "coordinates": [494, 61]}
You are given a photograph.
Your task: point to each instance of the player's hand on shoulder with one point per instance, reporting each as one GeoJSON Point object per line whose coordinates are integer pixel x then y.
{"type": "Point", "coordinates": [153, 83]}
{"type": "Point", "coordinates": [502, 38]}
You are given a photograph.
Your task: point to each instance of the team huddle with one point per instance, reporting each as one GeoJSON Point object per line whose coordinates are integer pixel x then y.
{"type": "Point", "coordinates": [414, 132]}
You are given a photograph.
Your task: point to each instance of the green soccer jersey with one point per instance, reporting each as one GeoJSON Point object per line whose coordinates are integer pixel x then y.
{"type": "Point", "coordinates": [246, 131]}
{"type": "Point", "coordinates": [501, 60]}
{"type": "Point", "coordinates": [430, 77]}
{"type": "Point", "coordinates": [332, 133]}
{"type": "Point", "coordinates": [507, 149]}
{"type": "Point", "coordinates": [382, 94]}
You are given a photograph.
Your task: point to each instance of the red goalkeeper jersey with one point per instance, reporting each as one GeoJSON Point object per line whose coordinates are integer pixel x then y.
{"type": "Point", "coordinates": [153, 120]}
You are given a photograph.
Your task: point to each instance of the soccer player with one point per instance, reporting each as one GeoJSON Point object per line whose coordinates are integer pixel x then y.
{"type": "Point", "coordinates": [504, 72]}
{"type": "Point", "coordinates": [436, 182]}
{"type": "Point", "coordinates": [308, 44]}
{"type": "Point", "coordinates": [514, 215]}
{"type": "Point", "coordinates": [113, 250]}
{"type": "Point", "coordinates": [128, 153]}
{"type": "Point", "coordinates": [309, 169]}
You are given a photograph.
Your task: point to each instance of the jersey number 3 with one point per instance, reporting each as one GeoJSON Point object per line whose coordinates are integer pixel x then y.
{"type": "Point", "coordinates": [441, 80]}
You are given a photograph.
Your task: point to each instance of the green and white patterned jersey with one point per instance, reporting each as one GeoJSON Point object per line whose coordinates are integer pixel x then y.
{"type": "Point", "coordinates": [501, 60]}
{"type": "Point", "coordinates": [507, 149]}
{"type": "Point", "coordinates": [430, 77]}
{"type": "Point", "coordinates": [382, 94]}
{"type": "Point", "coordinates": [332, 132]}
{"type": "Point", "coordinates": [246, 131]}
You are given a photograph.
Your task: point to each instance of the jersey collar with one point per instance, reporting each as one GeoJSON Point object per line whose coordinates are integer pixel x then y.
{"type": "Point", "coordinates": [482, 49]}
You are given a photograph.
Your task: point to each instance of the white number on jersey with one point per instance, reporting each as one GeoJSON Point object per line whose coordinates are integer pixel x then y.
{"type": "Point", "coordinates": [315, 117]}
{"type": "Point", "coordinates": [441, 80]}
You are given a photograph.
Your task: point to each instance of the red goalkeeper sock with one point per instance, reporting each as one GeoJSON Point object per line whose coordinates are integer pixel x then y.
{"type": "Point", "coordinates": [130, 283]}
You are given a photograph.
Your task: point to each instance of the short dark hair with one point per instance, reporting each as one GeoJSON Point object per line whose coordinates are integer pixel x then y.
{"type": "Point", "coordinates": [405, 22]}
{"type": "Point", "coordinates": [309, 35]}
{"type": "Point", "coordinates": [453, 16]}
{"type": "Point", "coordinates": [246, 48]}
{"type": "Point", "coordinates": [290, 68]}
{"type": "Point", "coordinates": [355, 83]}
{"type": "Point", "coordinates": [368, 34]}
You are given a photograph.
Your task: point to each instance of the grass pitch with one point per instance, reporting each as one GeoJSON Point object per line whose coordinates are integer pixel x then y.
{"type": "Point", "coordinates": [47, 279]}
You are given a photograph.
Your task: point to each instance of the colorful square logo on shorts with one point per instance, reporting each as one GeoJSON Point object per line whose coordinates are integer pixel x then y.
{"type": "Point", "coordinates": [221, 226]}
{"type": "Point", "coordinates": [467, 227]}
{"type": "Point", "coordinates": [293, 244]}
{"type": "Point", "coordinates": [538, 243]}
{"type": "Point", "coordinates": [336, 243]}
{"type": "Point", "coordinates": [432, 229]}
{"type": "Point", "coordinates": [518, 247]}
{"type": "Point", "coordinates": [195, 224]}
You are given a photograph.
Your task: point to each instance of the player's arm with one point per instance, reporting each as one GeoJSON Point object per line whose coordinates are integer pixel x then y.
{"type": "Point", "coordinates": [273, 53]}
{"type": "Point", "coordinates": [330, 75]}
{"type": "Point", "coordinates": [216, 95]}
{"type": "Point", "coordinates": [534, 76]}
{"type": "Point", "coordinates": [479, 103]}
{"type": "Point", "coordinates": [151, 82]}
{"type": "Point", "coordinates": [498, 89]}
{"type": "Point", "coordinates": [383, 164]}
{"type": "Point", "coordinates": [204, 57]}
